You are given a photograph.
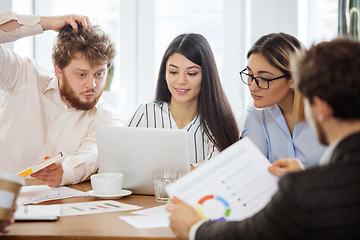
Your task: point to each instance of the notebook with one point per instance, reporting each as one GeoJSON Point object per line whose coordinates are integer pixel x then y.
{"type": "Point", "coordinates": [136, 151]}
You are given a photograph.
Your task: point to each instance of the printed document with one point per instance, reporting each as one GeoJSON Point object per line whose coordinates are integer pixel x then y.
{"type": "Point", "coordinates": [234, 185]}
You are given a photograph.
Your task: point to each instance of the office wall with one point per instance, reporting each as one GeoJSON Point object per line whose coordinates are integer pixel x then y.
{"type": "Point", "coordinates": [257, 17]}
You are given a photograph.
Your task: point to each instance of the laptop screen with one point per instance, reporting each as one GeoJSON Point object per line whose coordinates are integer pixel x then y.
{"type": "Point", "coordinates": [135, 152]}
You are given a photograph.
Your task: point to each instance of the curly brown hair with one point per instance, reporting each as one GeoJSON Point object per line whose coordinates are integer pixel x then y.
{"type": "Point", "coordinates": [93, 44]}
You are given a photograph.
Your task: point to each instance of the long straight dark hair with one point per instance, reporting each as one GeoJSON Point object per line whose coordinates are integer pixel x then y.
{"type": "Point", "coordinates": [216, 116]}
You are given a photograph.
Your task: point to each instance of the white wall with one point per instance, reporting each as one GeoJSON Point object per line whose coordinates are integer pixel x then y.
{"type": "Point", "coordinates": [253, 18]}
{"type": "Point", "coordinates": [5, 5]}
{"type": "Point", "coordinates": [273, 16]}
{"type": "Point", "coordinates": [267, 16]}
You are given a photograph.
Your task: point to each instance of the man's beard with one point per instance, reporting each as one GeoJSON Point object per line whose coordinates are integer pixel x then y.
{"type": "Point", "coordinates": [74, 100]}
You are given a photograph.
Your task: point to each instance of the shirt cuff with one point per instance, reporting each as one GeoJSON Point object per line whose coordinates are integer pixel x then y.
{"type": "Point", "coordinates": [30, 31]}
{"type": "Point", "coordinates": [194, 228]}
{"type": "Point", "coordinates": [68, 175]}
{"type": "Point", "coordinates": [28, 20]}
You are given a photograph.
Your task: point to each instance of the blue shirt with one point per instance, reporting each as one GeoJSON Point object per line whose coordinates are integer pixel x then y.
{"type": "Point", "coordinates": [268, 130]}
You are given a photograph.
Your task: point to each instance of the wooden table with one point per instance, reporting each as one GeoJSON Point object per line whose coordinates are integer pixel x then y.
{"type": "Point", "coordinates": [90, 226]}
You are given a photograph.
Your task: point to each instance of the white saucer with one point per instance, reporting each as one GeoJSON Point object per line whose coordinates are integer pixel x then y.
{"type": "Point", "coordinates": [123, 193]}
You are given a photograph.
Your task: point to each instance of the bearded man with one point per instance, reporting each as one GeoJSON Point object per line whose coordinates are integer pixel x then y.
{"type": "Point", "coordinates": [42, 114]}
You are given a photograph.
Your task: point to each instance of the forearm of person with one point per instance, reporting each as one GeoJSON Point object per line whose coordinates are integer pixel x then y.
{"type": "Point", "coordinates": [10, 26]}
{"type": "Point", "coordinates": [82, 164]}
{"type": "Point", "coordinates": [14, 26]}
{"type": "Point", "coordinates": [78, 168]}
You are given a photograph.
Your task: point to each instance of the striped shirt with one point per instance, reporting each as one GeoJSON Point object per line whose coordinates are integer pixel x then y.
{"type": "Point", "coordinates": [157, 115]}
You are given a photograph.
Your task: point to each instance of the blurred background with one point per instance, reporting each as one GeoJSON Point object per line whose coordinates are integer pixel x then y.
{"type": "Point", "coordinates": [142, 29]}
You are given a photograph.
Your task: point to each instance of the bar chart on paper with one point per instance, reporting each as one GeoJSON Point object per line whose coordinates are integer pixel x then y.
{"type": "Point", "coordinates": [233, 186]}
{"type": "Point", "coordinates": [81, 208]}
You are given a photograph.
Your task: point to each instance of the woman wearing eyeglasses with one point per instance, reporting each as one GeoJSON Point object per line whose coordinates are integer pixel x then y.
{"type": "Point", "coordinates": [275, 119]}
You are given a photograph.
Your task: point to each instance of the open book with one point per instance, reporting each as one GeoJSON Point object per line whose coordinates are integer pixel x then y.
{"type": "Point", "coordinates": [37, 167]}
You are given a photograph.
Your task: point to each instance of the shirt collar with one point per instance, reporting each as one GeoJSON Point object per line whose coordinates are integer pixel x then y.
{"type": "Point", "coordinates": [325, 158]}
{"type": "Point", "coordinates": [276, 113]}
{"type": "Point", "coordinates": [54, 85]}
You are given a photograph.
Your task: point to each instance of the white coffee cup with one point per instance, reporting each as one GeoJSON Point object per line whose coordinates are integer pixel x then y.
{"type": "Point", "coordinates": [10, 186]}
{"type": "Point", "coordinates": [107, 183]}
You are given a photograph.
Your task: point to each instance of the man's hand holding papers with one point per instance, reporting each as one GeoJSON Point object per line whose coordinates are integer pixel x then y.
{"type": "Point", "coordinates": [182, 217]}
{"type": "Point", "coordinates": [51, 175]}
{"type": "Point", "coordinates": [236, 181]}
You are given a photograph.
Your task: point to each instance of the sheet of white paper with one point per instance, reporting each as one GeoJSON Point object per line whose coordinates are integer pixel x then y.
{"type": "Point", "coordinates": [81, 208]}
{"type": "Point", "coordinates": [39, 210]}
{"type": "Point", "coordinates": [35, 212]}
{"type": "Point", "coordinates": [147, 221]}
{"type": "Point", "coordinates": [154, 211]}
{"type": "Point", "coordinates": [234, 185]}
{"type": "Point", "coordinates": [43, 193]}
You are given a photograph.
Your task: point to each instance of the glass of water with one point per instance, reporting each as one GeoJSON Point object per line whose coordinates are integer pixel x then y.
{"type": "Point", "coordinates": [164, 176]}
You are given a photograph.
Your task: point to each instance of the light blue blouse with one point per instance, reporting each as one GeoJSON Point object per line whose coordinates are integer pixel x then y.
{"type": "Point", "coordinates": [268, 130]}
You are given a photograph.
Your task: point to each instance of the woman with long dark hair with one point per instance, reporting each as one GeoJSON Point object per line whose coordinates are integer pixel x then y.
{"type": "Point", "coordinates": [189, 96]}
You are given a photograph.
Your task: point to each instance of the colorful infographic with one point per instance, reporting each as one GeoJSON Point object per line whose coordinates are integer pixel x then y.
{"type": "Point", "coordinates": [234, 185]}
{"type": "Point", "coordinates": [216, 198]}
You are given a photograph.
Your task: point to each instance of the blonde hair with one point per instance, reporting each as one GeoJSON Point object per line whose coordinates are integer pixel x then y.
{"type": "Point", "coordinates": [278, 49]}
{"type": "Point", "coordinates": [298, 108]}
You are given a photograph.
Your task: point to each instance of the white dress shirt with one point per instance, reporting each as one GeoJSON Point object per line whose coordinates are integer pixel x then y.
{"type": "Point", "coordinates": [157, 115]}
{"type": "Point", "coordinates": [35, 122]}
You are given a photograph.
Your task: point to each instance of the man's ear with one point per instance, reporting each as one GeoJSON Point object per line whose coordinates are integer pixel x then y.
{"type": "Point", "coordinates": [322, 108]}
{"type": "Point", "coordinates": [58, 72]}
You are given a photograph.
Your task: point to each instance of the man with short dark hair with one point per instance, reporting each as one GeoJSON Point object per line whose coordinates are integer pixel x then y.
{"type": "Point", "coordinates": [41, 114]}
{"type": "Point", "coordinates": [321, 202]}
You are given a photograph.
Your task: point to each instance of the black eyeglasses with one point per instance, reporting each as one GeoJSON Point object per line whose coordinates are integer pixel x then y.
{"type": "Point", "coordinates": [262, 83]}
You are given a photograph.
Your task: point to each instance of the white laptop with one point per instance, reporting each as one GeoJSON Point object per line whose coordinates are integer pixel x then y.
{"type": "Point", "coordinates": [136, 151]}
